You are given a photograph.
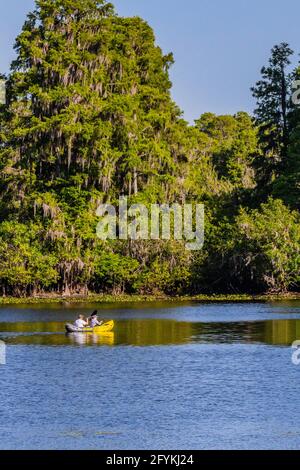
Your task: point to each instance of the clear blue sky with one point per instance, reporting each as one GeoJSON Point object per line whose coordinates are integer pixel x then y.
{"type": "Point", "coordinates": [219, 46]}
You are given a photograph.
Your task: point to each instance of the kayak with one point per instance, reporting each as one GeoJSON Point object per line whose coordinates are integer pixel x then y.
{"type": "Point", "coordinates": [106, 327]}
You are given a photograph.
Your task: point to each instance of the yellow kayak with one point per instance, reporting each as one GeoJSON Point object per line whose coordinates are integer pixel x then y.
{"type": "Point", "coordinates": [105, 328]}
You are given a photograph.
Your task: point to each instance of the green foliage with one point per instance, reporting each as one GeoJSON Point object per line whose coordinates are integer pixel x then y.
{"type": "Point", "coordinates": [233, 143]}
{"type": "Point", "coordinates": [115, 271]}
{"type": "Point", "coordinates": [287, 185]}
{"type": "Point", "coordinates": [24, 268]}
{"type": "Point", "coordinates": [270, 245]}
{"type": "Point", "coordinates": [259, 251]}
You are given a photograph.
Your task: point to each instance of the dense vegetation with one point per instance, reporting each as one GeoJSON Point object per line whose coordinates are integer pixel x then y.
{"type": "Point", "coordinates": [89, 117]}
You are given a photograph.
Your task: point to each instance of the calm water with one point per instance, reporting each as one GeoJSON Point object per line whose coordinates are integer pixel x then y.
{"type": "Point", "coordinates": [188, 376]}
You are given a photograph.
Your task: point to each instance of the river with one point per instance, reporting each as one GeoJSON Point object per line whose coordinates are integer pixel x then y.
{"type": "Point", "coordinates": [170, 376]}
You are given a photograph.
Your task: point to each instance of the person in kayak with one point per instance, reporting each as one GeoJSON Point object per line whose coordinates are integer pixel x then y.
{"type": "Point", "coordinates": [93, 320]}
{"type": "Point", "coordinates": [81, 322]}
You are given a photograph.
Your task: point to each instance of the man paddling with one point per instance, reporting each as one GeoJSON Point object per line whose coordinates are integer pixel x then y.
{"type": "Point", "coordinates": [93, 320]}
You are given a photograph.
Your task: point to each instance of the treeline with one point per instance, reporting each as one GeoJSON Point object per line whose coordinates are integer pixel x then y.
{"type": "Point", "coordinates": [89, 117]}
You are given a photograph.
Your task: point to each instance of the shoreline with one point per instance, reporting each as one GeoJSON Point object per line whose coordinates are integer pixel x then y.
{"type": "Point", "coordinates": [102, 298]}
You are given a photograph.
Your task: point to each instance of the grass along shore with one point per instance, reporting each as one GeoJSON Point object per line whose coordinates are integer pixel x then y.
{"type": "Point", "coordinates": [108, 298]}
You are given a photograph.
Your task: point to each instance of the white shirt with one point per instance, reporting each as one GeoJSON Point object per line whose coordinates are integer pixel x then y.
{"type": "Point", "coordinates": [80, 323]}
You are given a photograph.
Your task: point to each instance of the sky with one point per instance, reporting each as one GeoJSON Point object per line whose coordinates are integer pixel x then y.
{"type": "Point", "coordinates": [219, 46]}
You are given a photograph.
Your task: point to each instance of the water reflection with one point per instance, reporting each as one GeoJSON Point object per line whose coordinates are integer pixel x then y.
{"type": "Point", "coordinates": [154, 332]}
{"type": "Point", "coordinates": [283, 332]}
{"type": "Point", "coordinates": [84, 339]}
{"type": "Point", "coordinates": [127, 332]}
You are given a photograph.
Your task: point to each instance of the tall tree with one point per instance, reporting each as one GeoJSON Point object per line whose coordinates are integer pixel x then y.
{"type": "Point", "coordinates": [89, 94]}
{"type": "Point", "coordinates": [273, 94]}
{"type": "Point", "coordinates": [89, 117]}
